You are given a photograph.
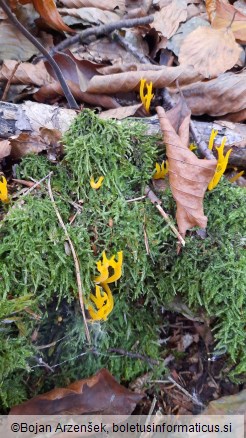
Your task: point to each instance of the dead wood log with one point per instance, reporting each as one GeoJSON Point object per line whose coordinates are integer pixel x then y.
{"type": "Point", "coordinates": [29, 117]}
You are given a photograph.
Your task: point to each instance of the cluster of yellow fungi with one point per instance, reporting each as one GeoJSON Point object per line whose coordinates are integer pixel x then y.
{"type": "Point", "coordinates": [103, 299]}
{"type": "Point", "coordinates": [146, 96]}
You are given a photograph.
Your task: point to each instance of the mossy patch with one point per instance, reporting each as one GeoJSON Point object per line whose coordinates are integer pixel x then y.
{"type": "Point", "coordinates": [37, 267]}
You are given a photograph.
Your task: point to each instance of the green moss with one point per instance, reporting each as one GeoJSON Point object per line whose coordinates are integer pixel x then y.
{"type": "Point", "coordinates": [36, 266]}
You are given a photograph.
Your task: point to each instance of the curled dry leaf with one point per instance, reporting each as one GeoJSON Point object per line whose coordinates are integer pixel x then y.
{"type": "Point", "coordinates": [210, 51]}
{"type": "Point", "coordinates": [26, 143]}
{"type": "Point", "coordinates": [227, 15]}
{"type": "Point", "coordinates": [99, 394]}
{"type": "Point", "coordinates": [101, 4]}
{"type": "Point", "coordinates": [91, 15]}
{"type": "Point", "coordinates": [188, 175]}
{"type": "Point", "coordinates": [78, 74]}
{"type": "Point", "coordinates": [27, 74]}
{"type": "Point", "coordinates": [54, 90]}
{"type": "Point", "coordinates": [48, 11]}
{"type": "Point", "coordinates": [167, 20]}
{"type": "Point", "coordinates": [129, 81]}
{"type": "Point", "coordinates": [219, 96]}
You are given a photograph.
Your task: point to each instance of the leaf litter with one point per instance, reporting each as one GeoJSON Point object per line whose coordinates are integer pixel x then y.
{"type": "Point", "coordinates": [206, 66]}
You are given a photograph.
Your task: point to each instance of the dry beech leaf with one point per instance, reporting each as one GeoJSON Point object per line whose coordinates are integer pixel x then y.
{"type": "Point", "coordinates": [224, 18]}
{"type": "Point", "coordinates": [14, 45]}
{"type": "Point", "coordinates": [78, 74]}
{"type": "Point", "coordinates": [130, 81]}
{"type": "Point", "coordinates": [5, 148]}
{"type": "Point", "coordinates": [99, 394]}
{"type": "Point", "coordinates": [185, 29]}
{"type": "Point", "coordinates": [167, 20]}
{"type": "Point", "coordinates": [91, 15]}
{"type": "Point", "coordinates": [101, 4]}
{"type": "Point", "coordinates": [120, 113]}
{"type": "Point", "coordinates": [54, 89]}
{"type": "Point", "coordinates": [217, 97]}
{"type": "Point", "coordinates": [210, 51]}
{"type": "Point", "coordinates": [48, 11]}
{"type": "Point", "coordinates": [188, 175]}
{"type": "Point", "coordinates": [27, 74]}
{"type": "Point", "coordinates": [26, 143]}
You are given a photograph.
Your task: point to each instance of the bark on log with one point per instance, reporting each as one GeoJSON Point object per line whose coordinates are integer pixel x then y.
{"type": "Point", "coordinates": [31, 116]}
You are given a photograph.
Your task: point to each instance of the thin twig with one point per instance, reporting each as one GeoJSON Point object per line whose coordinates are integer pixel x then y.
{"type": "Point", "coordinates": [156, 201]}
{"type": "Point", "coordinates": [104, 29]}
{"type": "Point", "coordinates": [36, 184]}
{"type": "Point", "coordinates": [7, 87]}
{"type": "Point", "coordinates": [75, 258]}
{"type": "Point", "coordinates": [122, 352]}
{"type": "Point", "coordinates": [201, 144]}
{"type": "Point", "coordinates": [194, 399]}
{"type": "Point", "coordinates": [148, 419]}
{"type": "Point", "coordinates": [70, 99]}
{"type": "Point", "coordinates": [140, 198]}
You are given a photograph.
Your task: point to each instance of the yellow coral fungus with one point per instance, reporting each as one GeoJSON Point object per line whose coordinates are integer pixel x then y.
{"type": "Point", "coordinates": [103, 301]}
{"type": "Point", "coordinates": [96, 185]}
{"type": "Point", "coordinates": [221, 165]}
{"type": "Point", "coordinates": [236, 177]}
{"type": "Point", "coordinates": [117, 266]}
{"type": "Point", "coordinates": [212, 138]}
{"type": "Point", "coordinates": [103, 269]}
{"type": "Point", "coordinates": [192, 147]}
{"type": "Point", "coordinates": [4, 190]}
{"type": "Point", "coordinates": [161, 170]}
{"type": "Point", "coordinates": [146, 98]}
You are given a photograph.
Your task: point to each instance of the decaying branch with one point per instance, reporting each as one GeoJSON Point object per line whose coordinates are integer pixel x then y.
{"type": "Point", "coordinates": [104, 29]}
{"type": "Point", "coordinates": [31, 116]}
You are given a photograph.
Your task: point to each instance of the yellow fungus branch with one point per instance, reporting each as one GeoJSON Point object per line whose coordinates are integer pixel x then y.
{"type": "Point", "coordinates": [96, 185]}
{"type": "Point", "coordinates": [146, 98]}
{"type": "Point", "coordinates": [4, 190]}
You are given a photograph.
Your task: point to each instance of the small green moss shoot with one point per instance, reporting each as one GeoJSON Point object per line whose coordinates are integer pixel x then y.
{"type": "Point", "coordinates": [38, 283]}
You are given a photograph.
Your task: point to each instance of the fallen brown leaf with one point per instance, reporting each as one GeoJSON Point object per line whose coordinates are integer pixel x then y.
{"type": "Point", "coordinates": [101, 4]}
{"type": "Point", "coordinates": [54, 90]}
{"type": "Point", "coordinates": [219, 96]}
{"type": "Point", "coordinates": [188, 175]}
{"type": "Point", "coordinates": [26, 73]}
{"type": "Point", "coordinates": [167, 20]}
{"type": "Point", "coordinates": [48, 11]}
{"type": "Point", "coordinates": [129, 81]}
{"type": "Point", "coordinates": [210, 51]}
{"type": "Point", "coordinates": [91, 15]}
{"type": "Point", "coordinates": [14, 45]}
{"type": "Point", "coordinates": [100, 394]}
{"type": "Point", "coordinates": [120, 113]}
{"type": "Point", "coordinates": [227, 15]}
{"type": "Point", "coordinates": [25, 143]}
{"type": "Point", "coordinates": [5, 149]}
{"type": "Point", "coordinates": [185, 29]}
